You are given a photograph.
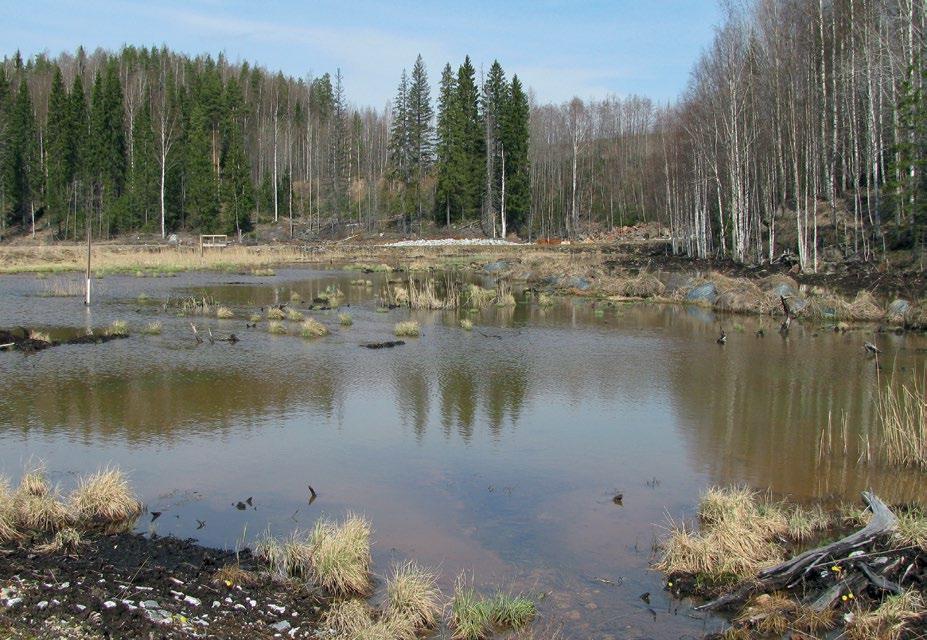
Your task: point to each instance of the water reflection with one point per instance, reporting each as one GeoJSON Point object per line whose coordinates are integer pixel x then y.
{"type": "Point", "coordinates": [495, 449]}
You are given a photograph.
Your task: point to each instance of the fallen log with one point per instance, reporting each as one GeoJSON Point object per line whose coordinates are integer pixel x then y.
{"type": "Point", "coordinates": [788, 573]}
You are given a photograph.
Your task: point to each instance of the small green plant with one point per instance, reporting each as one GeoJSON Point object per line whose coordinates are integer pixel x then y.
{"type": "Point", "coordinates": [345, 319]}
{"type": "Point", "coordinates": [143, 298]}
{"type": "Point", "coordinates": [407, 328]}
{"type": "Point", "coordinates": [466, 324]}
{"type": "Point", "coordinates": [511, 612]}
{"type": "Point", "coordinates": [153, 328]}
{"type": "Point", "coordinates": [545, 300]}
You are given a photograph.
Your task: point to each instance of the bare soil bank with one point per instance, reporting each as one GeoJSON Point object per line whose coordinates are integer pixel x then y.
{"type": "Point", "coordinates": [132, 586]}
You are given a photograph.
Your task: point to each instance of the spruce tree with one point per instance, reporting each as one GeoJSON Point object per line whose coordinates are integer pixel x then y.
{"type": "Point", "coordinates": [493, 104]}
{"type": "Point", "coordinates": [57, 147]}
{"type": "Point", "coordinates": [468, 142]}
{"type": "Point", "coordinates": [421, 130]}
{"type": "Point", "coordinates": [78, 149]}
{"type": "Point", "coordinates": [515, 135]}
{"type": "Point", "coordinates": [143, 176]}
{"type": "Point", "coordinates": [21, 173]}
{"type": "Point", "coordinates": [202, 202]}
{"type": "Point", "coordinates": [237, 192]}
{"type": "Point", "coordinates": [445, 186]}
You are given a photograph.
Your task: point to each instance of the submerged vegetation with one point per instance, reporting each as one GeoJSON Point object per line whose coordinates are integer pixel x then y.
{"type": "Point", "coordinates": [473, 617]}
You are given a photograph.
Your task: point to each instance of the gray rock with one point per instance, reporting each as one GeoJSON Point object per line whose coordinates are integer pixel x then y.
{"type": "Point", "coordinates": [109, 604]}
{"type": "Point", "coordinates": [42, 605]}
{"type": "Point", "coordinates": [498, 265]}
{"type": "Point", "coordinates": [899, 308]}
{"type": "Point", "coordinates": [191, 600]}
{"type": "Point", "coordinates": [150, 604]}
{"type": "Point", "coordinates": [704, 292]}
{"type": "Point", "coordinates": [159, 616]}
{"type": "Point", "coordinates": [12, 602]}
{"type": "Point", "coordinates": [281, 626]}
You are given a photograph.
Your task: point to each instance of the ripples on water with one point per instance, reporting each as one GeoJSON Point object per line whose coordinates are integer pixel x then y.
{"type": "Point", "coordinates": [495, 451]}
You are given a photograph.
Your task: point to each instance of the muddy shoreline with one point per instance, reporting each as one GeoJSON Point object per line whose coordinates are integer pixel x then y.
{"type": "Point", "coordinates": [132, 585]}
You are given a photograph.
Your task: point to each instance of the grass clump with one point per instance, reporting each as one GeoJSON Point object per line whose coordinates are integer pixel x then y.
{"type": "Point", "coordinates": [39, 336]}
{"type": "Point", "coordinates": [890, 621]}
{"type": "Point", "coordinates": [232, 574]}
{"type": "Point", "coordinates": [312, 328]}
{"type": "Point", "coordinates": [224, 313]}
{"type": "Point", "coordinates": [276, 313]}
{"type": "Point", "coordinates": [36, 505]}
{"type": "Point", "coordinates": [118, 328]}
{"type": "Point", "coordinates": [470, 614]}
{"type": "Point", "coordinates": [407, 328]}
{"type": "Point", "coordinates": [266, 271]}
{"type": "Point", "coordinates": [345, 319]}
{"type": "Point", "coordinates": [912, 529]}
{"type": "Point", "coordinates": [276, 327]}
{"type": "Point", "coordinates": [474, 617]}
{"type": "Point", "coordinates": [774, 614]}
{"type": "Point", "coordinates": [153, 328]}
{"type": "Point", "coordinates": [294, 316]}
{"type": "Point", "coordinates": [413, 597]}
{"type": "Point", "coordinates": [511, 612]}
{"type": "Point", "coordinates": [477, 297]}
{"type": "Point", "coordinates": [67, 539]}
{"type": "Point", "coordinates": [295, 298]}
{"type": "Point", "coordinates": [466, 324]}
{"type": "Point", "coordinates": [735, 540]}
{"type": "Point", "coordinates": [348, 618]}
{"type": "Point", "coordinates": [8, 530]}
{"type": "Point", "coordinates": [333, 556]}
{"type": "Point", "coordinates": [902, 410]}
{"type": "Point", "coordinates": [340, 557]}
{"type": "Point", "coordinates": [104, 498]}
{"type": "Point", "coordinates": [255, 318]}
{"type": "Point", "coordinates": [545, 300]}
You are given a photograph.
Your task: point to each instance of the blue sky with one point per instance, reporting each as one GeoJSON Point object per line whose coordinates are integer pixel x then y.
{"type": "Point", "coordinates": [559, 48]}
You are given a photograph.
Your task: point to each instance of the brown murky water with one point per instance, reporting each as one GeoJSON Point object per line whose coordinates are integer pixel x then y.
{"type": "Point", "coordinates": [496, 451]}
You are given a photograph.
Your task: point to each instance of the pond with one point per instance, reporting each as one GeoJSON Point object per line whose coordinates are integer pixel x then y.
{"type": "Point", "coordinates": [496, 451]}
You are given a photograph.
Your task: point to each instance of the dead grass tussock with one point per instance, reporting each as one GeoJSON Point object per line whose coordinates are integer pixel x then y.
{"type": "Point", "coordinates": [912, 528]}
{"type": "Point", "coordinates": [293, 315]}
{"type": "Point", "coordinates": [412, 596]}
{"type": "Point", "coordinates": [67, 540]}
{"type": "Point", "coordinates": [333, 556]}
{"type": "Point", "coordinates": [889, 621]}
{"type": "Point", "coordinates": [104, 498]}
{"type": "Point", "coordinates": [312, 328]}
{"type": "Point", "coordinates": [232, 574]}
{"type": "Point", "coordinates": [735, 539]}
{"type": "Point", "coordinates": [774, 614]}
{"type": "Point", "coordinates": [224, 313]}
{"type": "Point", "coordinates": [255, 318]}
{"type": "Point", "coordinates": [340, 556]}
{"type": "Point", "coordinates": [466, 324]}
{"type": "Point", "coordinates": [348, 618]}
{"type": "Point", "coordinates": [476, 297]}
{"type": "Point", "coordinates": [276, 313]}
{"type": "Point", "coordinates": [37, 506]}
{"type": "Point", "coordinates": [8, 530]}
{"type": "Point", "coordinates": [407, 329]}
{"type": "Point", "coordinates": [642, 285]}
{"type": "Point", "coordinates": [39, 336]}
{"type": "Point", "coordinates": [504, 296]}
{"type": "Point", "coordinates": [153, 328]}
{"type": "Point", "coordinates": [345, 319]}
{"type": "Point", "coordinates": [118, 328]}
{"type": "Point", "coordinates": [276, 327]}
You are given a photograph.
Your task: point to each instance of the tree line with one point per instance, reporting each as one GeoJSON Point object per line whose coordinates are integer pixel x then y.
{"type": "Point", "coordinates": [153, 141]}
{"type": "Point", "coordinates": [803, 130]}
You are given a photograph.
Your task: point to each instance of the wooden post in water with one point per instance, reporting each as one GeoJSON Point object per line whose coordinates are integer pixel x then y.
{"type": "Point", "coordinates": [87, 291]}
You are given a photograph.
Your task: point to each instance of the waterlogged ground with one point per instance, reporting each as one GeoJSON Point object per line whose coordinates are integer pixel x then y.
{"type": "Point", "coordinates": [496, 451]}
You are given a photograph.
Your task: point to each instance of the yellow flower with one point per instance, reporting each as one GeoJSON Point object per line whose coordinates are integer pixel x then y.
{"type": "Point", "coordinates": [669, 584]}
{"type": "Point", "coordinates": [844, 598]}
{"type": "Point", "coordinates": [836, 568]}
{"type": "Point", "coordinates": [850, 596]}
